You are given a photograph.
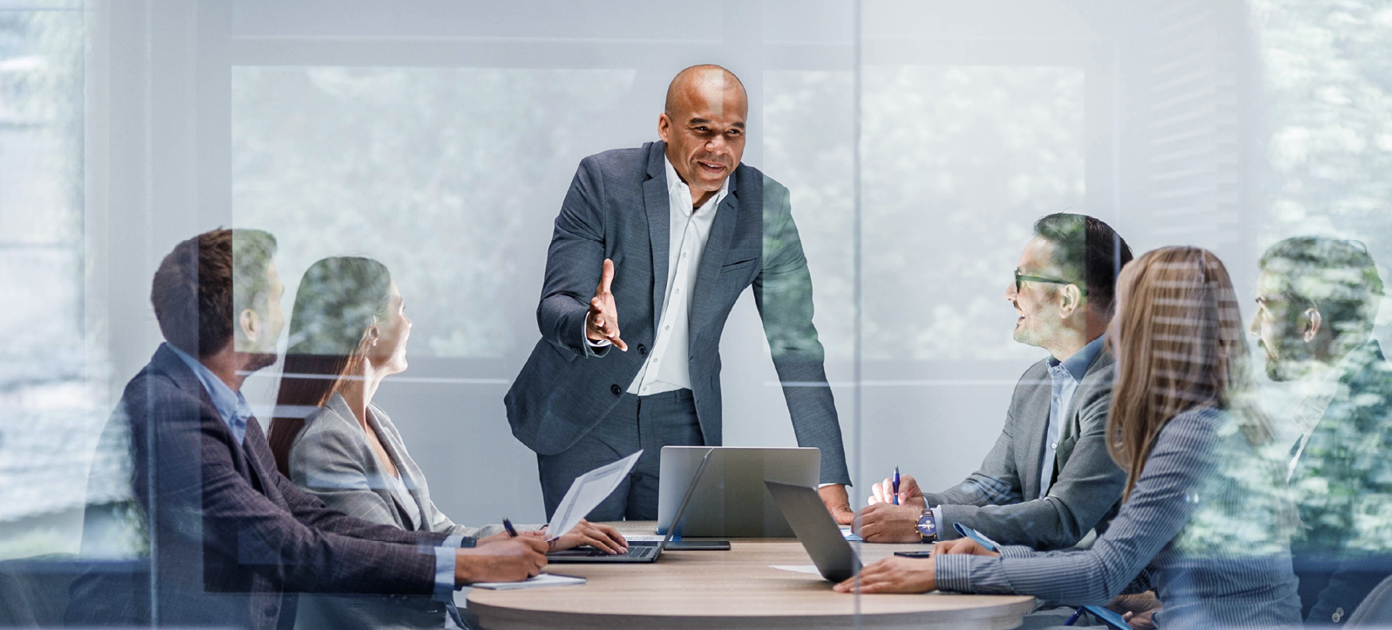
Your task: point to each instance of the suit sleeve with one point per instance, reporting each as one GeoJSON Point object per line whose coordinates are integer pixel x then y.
{"type": "Point", "coordinates": [1150, 520]}
{"type": "Point", "coordinates": [574, 264]}
{"type": "Point", "coordinates": [201, 495]}
{"type": "Point", "coordinates": [783, 295]}
{"type": "Point", "coordinates": [996, 482]}
{"type": "Point", "coordinates": [1086, 489]}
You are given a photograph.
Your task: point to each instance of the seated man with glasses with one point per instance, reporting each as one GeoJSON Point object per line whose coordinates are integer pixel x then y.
{"type": "Point", "coordinates": [1049, 480]}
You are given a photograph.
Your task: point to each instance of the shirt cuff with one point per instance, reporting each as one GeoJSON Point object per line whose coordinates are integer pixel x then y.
{"type": "Point", "coordinates": [445, 559]}
{"type": "Point", "coordinates": [456, 541]}
{"type": "Point", "coordinates": [942, 526]}
{"type": "Point", "coordinates": [962, 573]}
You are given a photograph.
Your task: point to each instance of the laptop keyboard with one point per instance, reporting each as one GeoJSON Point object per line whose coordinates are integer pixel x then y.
{"type": "Point", "coordinates": [634, 551]}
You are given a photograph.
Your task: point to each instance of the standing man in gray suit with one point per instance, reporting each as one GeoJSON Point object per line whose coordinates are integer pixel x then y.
{"type": "Point", "coordinates": [659, 242]}
{"type": "Point", "coordinates": [1049, 479]}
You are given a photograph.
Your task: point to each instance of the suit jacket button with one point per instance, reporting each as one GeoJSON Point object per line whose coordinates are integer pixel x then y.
{"type": "Point", "coordinates": [618, 391]}
{"type": "Point", "coordinates": [1338, 614]}
{"type": "Point", "coordinates": [642, 349]}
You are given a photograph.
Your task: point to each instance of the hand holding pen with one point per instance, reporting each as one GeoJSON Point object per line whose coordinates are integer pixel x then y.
{"type": "Point", "coordinates": [907, 492]}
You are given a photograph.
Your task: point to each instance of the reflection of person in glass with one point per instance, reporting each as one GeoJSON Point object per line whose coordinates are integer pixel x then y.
{"type": "Point", "coordinates": [1316, 302]}
{"type": "Point", "coordinates": [348, 332]}
{"type": "Point", "coordinates": [660, 241]}
{"type": "Point", "coordinates": [1200, 515]}
{"type": "Point", "coordinates": [1048, 480]}
{"type": "Point", "coordinates": [231, 539]}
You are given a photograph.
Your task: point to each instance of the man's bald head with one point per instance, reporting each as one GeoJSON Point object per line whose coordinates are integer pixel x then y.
{"type": "Point", "coordinates": [704, 75]}
{"type": "Point", "coordinates": [703, 127]}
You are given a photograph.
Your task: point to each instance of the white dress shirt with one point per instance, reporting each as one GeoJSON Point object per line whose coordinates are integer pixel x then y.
{"type": "Point", "coordinates": [668, 367]}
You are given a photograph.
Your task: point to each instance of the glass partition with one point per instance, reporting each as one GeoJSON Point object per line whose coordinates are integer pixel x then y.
{"type": "Point", "coordinates": [920, 144]}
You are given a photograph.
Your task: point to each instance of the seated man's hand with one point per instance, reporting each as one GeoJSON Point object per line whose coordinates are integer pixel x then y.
{"type": "Point", "coordinates": [602, 537]}
{"type": "Point", "coordinates": [893, 575]}
{"type": "Point", "coordinates": [909, 492]}
{"type": "Point", "coordinates": [888, 523]}
{"type": "Point", "coordinates": [1137, 609]}
{"type": "Point", "coordinates": [962, 546]}
{"type": "Point", "coordinates": [511, 560]}
{"type": "Point", "coordinates": [834, 497]}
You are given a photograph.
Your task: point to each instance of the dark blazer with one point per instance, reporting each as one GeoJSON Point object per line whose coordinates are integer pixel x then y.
{"type": "Point", "coordinates": [1002, 499]}
{"type": "Point", "coordinates": [618, 208]}
{"type": "Point", "coordinates": [1343, 482]}
{"type": "Point", "coordinates": [231, 539]}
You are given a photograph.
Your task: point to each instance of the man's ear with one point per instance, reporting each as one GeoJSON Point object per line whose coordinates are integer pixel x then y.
{"type": "Point", "coordinates": [1070, 300]}
{"type": "Point", "coordinates": [250, 324]}
{"type": "Point", "coordinates": [1310, 324]}
{"type": "Point", "coordinates": [664, 127]}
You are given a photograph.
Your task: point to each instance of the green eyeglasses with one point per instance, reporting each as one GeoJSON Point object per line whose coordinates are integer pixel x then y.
{"type": "Point", "coordinates": [1021, 278]}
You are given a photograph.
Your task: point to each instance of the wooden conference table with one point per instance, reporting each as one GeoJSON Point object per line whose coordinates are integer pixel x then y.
{"type": "Point", "coordinates": [730, 590]}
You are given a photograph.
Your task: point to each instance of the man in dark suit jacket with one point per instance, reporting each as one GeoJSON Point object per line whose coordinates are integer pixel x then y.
{"type": "Point", "coordinates": [229, 540]}
{"type": "Point", "coordinates": [660, 241]}
{"type": "Point", "coordinates": [1317, 299]}
{"type": "Point", "coordinates": [1048, 480]}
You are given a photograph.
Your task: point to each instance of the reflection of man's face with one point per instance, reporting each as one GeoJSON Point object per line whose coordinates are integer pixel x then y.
{"type": "Point", "coordinates": [259, 333]}
{"type": "Point", "coordinates": [1277, 326]}
{"type": "Point", "coordinates": [705, 131]}
{"type": "Point", "coordinates": [1039, 321]}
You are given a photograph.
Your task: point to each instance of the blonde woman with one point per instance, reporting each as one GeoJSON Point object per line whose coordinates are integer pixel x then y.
{"type": "Point", "coordinates": [1201, 519]}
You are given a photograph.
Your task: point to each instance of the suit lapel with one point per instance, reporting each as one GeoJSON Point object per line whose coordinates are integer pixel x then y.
{"type": "Point", "coordinates": [259, 474]}
{"type": "Point", "coordinates": [171, 364]}
{"type": "Point", "coordinates": [722, 232]}
{"type": "Point", "coordinates": [1034, 446]}
{"type": "Point", "coordinates": [412, 488]}
{"type": "Point", "coordinates": [659, 210]}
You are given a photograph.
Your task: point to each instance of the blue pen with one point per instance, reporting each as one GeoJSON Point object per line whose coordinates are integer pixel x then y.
{"type": "Point", "coordinates": [512, 531]}
{"type": "Point", "coordinates": [896, 485]}
{"type": "Point", "coordinates": [1074, 618]}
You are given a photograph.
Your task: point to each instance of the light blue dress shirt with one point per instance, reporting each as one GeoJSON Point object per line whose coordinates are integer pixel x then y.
{"type": "Point", "coordinates": [1065, 375]}
{"type": "Point", "coordinates": [232, 407]}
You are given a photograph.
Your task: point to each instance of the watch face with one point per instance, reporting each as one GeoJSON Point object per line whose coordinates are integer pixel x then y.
{"type": "Point", "coordinates": [926, 525]}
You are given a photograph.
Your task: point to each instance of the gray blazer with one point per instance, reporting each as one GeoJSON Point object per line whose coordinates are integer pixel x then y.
{"type": "Point", "coordinates": [1002, 499]}
{"type": "Point", "coordinates": [1204, 521]}
{"type": "Point", "coordinates": [332, 460]}
{"type": "Point", "coordinates": [617, 208]}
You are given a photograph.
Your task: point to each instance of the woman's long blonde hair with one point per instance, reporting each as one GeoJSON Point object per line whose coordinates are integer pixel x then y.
{"type": "Point", "coordinates": [1179, 344]}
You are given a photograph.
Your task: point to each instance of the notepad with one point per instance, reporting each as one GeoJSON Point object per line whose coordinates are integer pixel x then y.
{"type": "Point", "coordinates": [545, 579]}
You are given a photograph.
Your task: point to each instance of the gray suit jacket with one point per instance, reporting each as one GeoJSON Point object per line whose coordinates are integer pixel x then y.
{"type": "Point", "coordinates": [617, 208]}
{"type": "Point", "coordinates": [332, 460]}
{"type": "Point", "coordinates": [1002, 499]}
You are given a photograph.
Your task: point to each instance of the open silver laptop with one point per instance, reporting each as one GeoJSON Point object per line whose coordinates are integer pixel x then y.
{"type": "Point", "coordinates": [731, 501]}
{"type": "Point", "coordinates": [816, 530]}
{"type": "Point", "coordinates": [637, 552]}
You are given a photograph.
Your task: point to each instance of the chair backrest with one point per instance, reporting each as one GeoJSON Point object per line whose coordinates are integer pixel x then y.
{"type": "Point", "coordinates": [1376, 609]}
{"type": "Point", "coordinates": [34, 591]}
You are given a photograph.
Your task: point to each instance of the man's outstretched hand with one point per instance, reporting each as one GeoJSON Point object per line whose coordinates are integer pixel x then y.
{"type": "Point", "coordinates": [602, 322]}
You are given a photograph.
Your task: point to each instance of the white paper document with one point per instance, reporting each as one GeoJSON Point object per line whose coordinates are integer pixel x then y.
{"type": "Point", "coordinates": [810, 569]}
{"type": "Point", "coordinates": [545, 579]}
{"type": "Point", "coordinates": [587, 492]}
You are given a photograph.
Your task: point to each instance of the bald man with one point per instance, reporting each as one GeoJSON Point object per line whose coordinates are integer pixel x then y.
{"type": "Point", "coordinates": [652, 247]}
